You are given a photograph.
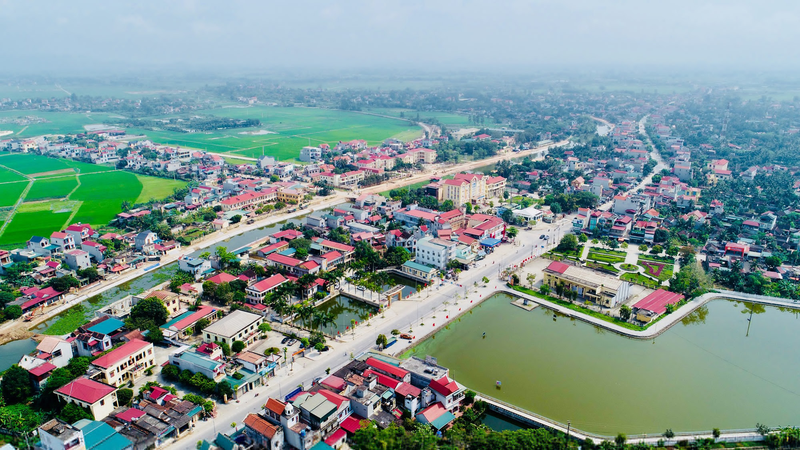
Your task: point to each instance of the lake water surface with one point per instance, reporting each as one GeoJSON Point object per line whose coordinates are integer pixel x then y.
{"type": "Point", "coordinates": [705, 372]}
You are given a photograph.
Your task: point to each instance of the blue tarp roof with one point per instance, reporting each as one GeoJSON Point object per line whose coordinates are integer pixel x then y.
{"type": "Point", "coordinates": [108, 326]}
{"type": "Point", "coordinates": [490, 242]}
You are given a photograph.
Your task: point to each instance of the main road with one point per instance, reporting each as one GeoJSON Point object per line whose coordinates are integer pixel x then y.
{"type": "Point", "coordinates": [17, 329]}
{"type": "Point", "coordinates": [419, 314]}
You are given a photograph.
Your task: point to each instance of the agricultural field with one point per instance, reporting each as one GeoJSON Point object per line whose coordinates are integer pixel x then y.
{"type": "Point", "coordinates": [153, 187]}
{"type": "Point", "coordinates": [9, 176]}
{"type": "Point", "coordinates": [55, 187]}
{"type": "Point", "coordinates": [10, 192]}
{"type": "Point", "coordinates": [284, 131]}
{"type": "Point", "coordinates": [450, 120]}
{"type": "Point", "coordinates": [69, 191]}
{"type": "Point", "coordinates": [55, 122]}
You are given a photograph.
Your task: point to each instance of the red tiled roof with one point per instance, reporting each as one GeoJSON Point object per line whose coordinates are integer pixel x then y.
{"type": "Point", "coordinates": [281, 259]}
{"type": "Point", "coordinates": [337, 246]}
{"type": "Point", "coordinates": [86, 390]}
{"type": "Point", "coordinates": [352, 423]}
{"type": "Point", "coordinates": [383, 379]}
{"type": "Point", "coordinates": [334, 398]}
{"type": "Point", "coordinates": [386, 367]}
{"type": "Point", "coordinates": [130, 415]}
{"type": "Point", "coordinates": [337, 436]}
{"type": "Point", "coordinates": [658, 301]}
{"type": "Point", "coordinates": [120, 353]}
{"type": "Point", "coordinates": [273, 247]}
{"type": "Point", "coordinates": [269, 283]}
{"type": "Point", "coordinates": [41, 370]}
{"type": "Point", "coordinates": [222, 277]}
{"type": "Point", "coordinates": [558, 267]}
{"type": "Point", "coordinates": [275, 406]}
{"type": "Point", "coordinates": [407, 389]}
{"type": "Point", "coordinates": [444, 386]}
{"type": "Point", "coordinates": [200, 313]}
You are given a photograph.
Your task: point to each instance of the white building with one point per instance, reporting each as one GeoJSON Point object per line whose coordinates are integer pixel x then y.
{"type": "Point", "coordinates": [77, 260]}
{"type": "Point", "coordinates": [236, 326]}
{"type": "Point", "coordinates": [435, 252]}
{"type": "Point", "coordinates": [196, 266]}
{"type": "Point", "coordinates": [308, 154]}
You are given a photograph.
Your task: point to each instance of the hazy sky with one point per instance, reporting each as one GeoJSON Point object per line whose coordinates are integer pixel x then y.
{"type": "Point", "coordinates": [411, 34]}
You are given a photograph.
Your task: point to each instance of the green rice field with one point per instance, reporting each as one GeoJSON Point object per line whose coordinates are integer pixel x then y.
{"type": "Point", "coordinates": [55, 187]}
{"type": "Point", "coordinates": [97, 200]}
{"type": "Point", "coordinates": [452, 120]}
{"type": "Point", "coordinates": [9, 193]}
{"type": "Point", "coordinates": [284, 131]}
{"type": "Point", "coordinates": [7, 176]}
{"type": "Point", "coordinates": [55, 122]}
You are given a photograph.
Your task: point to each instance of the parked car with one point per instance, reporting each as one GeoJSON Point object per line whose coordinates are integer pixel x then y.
{"type": "Point", "coordinates": [285, 340]}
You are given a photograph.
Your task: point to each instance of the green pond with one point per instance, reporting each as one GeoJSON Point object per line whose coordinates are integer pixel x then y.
{"type": "Point", "coordinates": [708, 371]}
{"type": "Point", "coordinates": [344, 309]}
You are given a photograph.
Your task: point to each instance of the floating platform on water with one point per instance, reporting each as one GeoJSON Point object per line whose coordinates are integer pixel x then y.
{"type": "Point", "coordinates": [521, 303]}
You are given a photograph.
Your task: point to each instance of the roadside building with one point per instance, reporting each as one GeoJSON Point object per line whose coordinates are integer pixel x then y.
{"type": "Point", "coordinates": [418, 271]}
{"type": "Point", "coordinates": [183, 326]}
{"type": "Point", "coordinates": [59, 435]}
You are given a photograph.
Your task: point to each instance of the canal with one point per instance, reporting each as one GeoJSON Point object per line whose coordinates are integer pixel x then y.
{"type": "Point", "coordinates": [708, 371]}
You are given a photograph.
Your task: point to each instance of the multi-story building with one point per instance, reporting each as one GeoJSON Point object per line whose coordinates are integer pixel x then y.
{"type": "Point", "coordinates": [198, 363]}
{"type": "Point", "coordinates": [125, 363]}
{"type": "Point", "coordinates": [257, 292]}
{"type": "Point", "coordinates": [236, 326]}
{"type": "Point", "coordinates": [309, 154]}
{"type": "Point", "coordinates": [59, 435]}
{"type": "Point", "coordinates": [63, 240]}
{"type": "Point", "coordinates": [77, 259]}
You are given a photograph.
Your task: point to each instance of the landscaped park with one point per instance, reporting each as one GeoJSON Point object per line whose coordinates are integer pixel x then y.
{"type": "Point", "coordinates": [57, 192]}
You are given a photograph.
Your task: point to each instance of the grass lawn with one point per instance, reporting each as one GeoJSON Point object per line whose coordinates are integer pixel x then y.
{"type": "Point", "coordinates": [578, 308]}
{"type": "Point", "coordinates": [600, 265]}
{"type": "Point", "coordinates": [661, 270]}
{"type": "Point", "coordinates": [153, 187]}
{"type": "Point", "coordinates": [52, 187]}
{"type": "Point", "coordinates": [449, 119]}
{"type": "Point", "coordinates": [640, 279]}
{"type": "Point", "coordinates": [603, 257]}
{"type": "Point", "coordinates": [9, 193]}
{"type": "Point", "coordinates": [664, 259]}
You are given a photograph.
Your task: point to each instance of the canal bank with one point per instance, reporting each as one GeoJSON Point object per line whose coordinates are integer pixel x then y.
{"type": "Point", "coordinates": [696, 377]}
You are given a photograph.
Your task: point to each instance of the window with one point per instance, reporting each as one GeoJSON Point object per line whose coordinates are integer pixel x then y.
{"type": "Point", "coordinates": [102, 402]}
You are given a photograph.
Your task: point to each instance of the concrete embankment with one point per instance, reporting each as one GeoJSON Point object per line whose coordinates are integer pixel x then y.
{"type": "Point", "coordinates": [664, 323]}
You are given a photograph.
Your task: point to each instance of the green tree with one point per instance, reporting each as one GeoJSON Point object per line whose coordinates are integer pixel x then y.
{"type": "Point", "coordinates": [236, 219]}
{"type": "Point", "coordinates": [72, 413]}
{"type": "Point", "coordinates": [396, 256]}
{"type": "Point", "coordinates": [656, 249]}
{"type": "Point", "coordinates": [13, 312]}
{"type": "Point", "coordinates": [569, 243]}
{"type": "Point", "coordinates": [155, 335]}
{"type": "Point", "coordinates": [64, 284]}
{"type": "Point", "coordinates": [583, 238]}
{"type": "Point", "coordinates": [625, 312]}
{"type": "Point", "coordinates": [16, 385]}
{"type": "Point", "coordinates": [544, 289]}
{"type": "Point", "coordinates": [171, 372]}
{"type": "Point", "coordinates": [224, 389]}
{"type": "Point", "coordinates": [150, 309]}
{"type": "Point", "coordinates": [201, 325]}
{"type": "Point", "coordinates": [237, 346]}
{"type": "Point", "coordinates": [381, 341]}
{"type": "Point", "coordinates": [226, 350]}
{"type": "Point", "coordinates": [669, 434]}
{"type": "Point", "coordinates": [620, 439]}
{"type": "Point", "coordinates": [512, 232]}
{"type": "Point", "coordinates": [124, 396]}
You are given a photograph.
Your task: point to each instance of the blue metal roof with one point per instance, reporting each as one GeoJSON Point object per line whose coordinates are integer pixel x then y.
{"type": "Point", "coordinates": [108, 326]}
{"type": "Point", "coordinates": [100, 435]}
{"type": "Point", "coordinates": [490, 242]}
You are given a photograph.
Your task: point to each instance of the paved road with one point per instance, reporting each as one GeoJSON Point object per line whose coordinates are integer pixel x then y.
{"type": "Point", "coordinates": [403, 315]}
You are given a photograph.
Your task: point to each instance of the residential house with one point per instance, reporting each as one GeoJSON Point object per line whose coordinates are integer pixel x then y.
{"type": "Point", "coordinates": [77, 259]}
{"type": "Point", "coordinates": [100, 399]}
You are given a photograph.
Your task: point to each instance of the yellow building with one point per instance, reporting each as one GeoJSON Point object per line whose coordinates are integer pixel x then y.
{"type": "Point", "coordinates": [472, 187]}
{"type": "Point", "coordinates": [600, 289]}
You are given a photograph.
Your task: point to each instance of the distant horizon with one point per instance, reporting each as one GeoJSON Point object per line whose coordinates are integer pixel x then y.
{"type": "Point", "coordinates": [94, 37]}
